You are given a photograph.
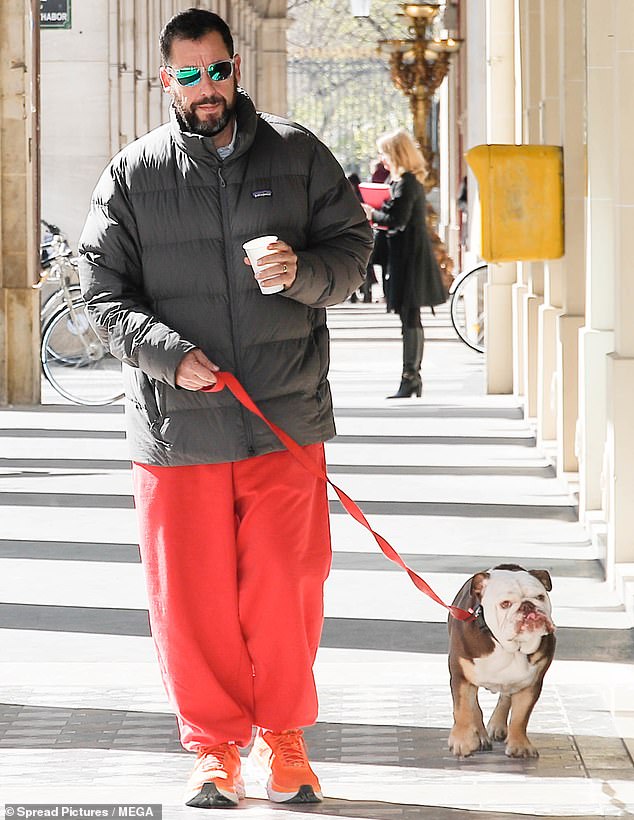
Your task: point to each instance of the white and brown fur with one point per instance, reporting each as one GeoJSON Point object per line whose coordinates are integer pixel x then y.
{"type": "Point", "coordinates": [508, 653]}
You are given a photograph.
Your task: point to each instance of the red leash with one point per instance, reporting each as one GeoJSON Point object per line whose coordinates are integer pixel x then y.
{"type": "Point", "coordinates": [229, 380]}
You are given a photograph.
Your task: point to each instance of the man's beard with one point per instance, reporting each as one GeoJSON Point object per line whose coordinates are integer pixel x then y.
{"type": "Point", "coordinates": [210, 126]}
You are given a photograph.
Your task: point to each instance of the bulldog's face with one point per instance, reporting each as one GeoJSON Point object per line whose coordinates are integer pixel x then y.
{"type": "Point", "coordinates": [516, 606]}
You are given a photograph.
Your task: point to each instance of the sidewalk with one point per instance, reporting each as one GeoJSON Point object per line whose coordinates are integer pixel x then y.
{"type": "Point", "coordinates": [453, 480]}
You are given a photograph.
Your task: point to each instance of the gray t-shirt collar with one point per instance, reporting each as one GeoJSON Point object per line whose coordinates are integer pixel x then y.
{"type": "Point", "coordinates": [226, 150]}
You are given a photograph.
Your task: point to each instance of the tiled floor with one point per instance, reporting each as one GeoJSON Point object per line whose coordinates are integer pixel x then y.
{"type": "Point", "coordinates": [454, 480]}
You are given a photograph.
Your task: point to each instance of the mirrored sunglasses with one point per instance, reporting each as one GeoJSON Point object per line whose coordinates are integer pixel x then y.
{"type": "Point", "coordinates": [192, 75]}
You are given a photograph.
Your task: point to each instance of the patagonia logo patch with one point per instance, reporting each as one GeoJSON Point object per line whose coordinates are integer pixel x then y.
{"type": "Point", "coordinates": [263, 192]}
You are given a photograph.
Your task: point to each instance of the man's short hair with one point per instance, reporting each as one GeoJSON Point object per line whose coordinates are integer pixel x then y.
{"type": "Point", "coordinates": [193, 24]}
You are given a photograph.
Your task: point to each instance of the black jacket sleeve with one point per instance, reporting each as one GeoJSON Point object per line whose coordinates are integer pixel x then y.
{"type": "Point", "coordinates": [340, 239]}
{"type": "Point", "coordinates": [397, 211]}
{"type": "Point", "coordinates": [112, 285]}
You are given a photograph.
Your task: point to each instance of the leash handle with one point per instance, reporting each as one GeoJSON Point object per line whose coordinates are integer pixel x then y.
{"type": "Point", "coordinates": [228, 380]}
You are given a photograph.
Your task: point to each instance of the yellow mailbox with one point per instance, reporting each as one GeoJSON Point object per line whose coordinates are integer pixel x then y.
{"type": "Point", "coordinates": [522, 201]}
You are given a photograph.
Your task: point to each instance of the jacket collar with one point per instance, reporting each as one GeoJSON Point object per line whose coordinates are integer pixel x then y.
{"type": "Point", "coordinates": [203, 147]}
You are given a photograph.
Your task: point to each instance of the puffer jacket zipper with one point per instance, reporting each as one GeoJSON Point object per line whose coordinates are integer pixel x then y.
{"type": "Point", "coordinates": [226, 238]}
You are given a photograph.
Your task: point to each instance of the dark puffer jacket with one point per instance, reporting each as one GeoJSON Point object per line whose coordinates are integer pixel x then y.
{"type": "Point", "coordinates": [162, 271]}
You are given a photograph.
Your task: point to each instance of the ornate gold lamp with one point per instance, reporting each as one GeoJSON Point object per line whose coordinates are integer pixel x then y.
{"type": "Point", "coordinates": [418, 66]}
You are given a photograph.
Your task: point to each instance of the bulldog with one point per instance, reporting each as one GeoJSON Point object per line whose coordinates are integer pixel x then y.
{"type": "Point", "coordinates": [507, 648]}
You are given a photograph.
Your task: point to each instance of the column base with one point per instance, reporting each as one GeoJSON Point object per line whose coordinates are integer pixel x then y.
{"type": "Point", "coordinates": [20, 375]}
{"type": "Point", "coordinates": [530, 309]}
{"type": "Point", "coordinates": [499, 338]}
{"type": "Point", "coordinates": [547, 389]}
{"type": "Point", "coordinates": [520, 292]}
{"type": "Point", "coordinates": [594, 347]}
{"type": "Point", "coordinates": [619, 479]}
{"type": "Point", "coordinates": [624, 585]}
{"type": "Point", "coordinates": [568, 391]}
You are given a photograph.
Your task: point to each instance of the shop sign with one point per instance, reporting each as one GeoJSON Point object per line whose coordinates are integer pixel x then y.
{"type": "Point", "coordinates": [55, 13]}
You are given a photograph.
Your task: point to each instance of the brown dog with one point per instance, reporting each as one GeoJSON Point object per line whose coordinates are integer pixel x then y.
{"type": "Point", "coordinates": [506, 649]}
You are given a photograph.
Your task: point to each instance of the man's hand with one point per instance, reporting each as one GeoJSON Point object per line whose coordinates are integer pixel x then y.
{"type": "Point", "coordinates": [281, 265]}
{"type": "Point", "coordinates": [195, 371]}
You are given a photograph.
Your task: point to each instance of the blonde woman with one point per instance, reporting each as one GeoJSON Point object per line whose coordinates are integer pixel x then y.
{"type": "Point", "coordinates": [413, 277]}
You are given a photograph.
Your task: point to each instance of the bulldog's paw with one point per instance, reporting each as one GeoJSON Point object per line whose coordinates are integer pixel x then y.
{"type": "Point", "coordinates": [520, 747]}
{"type": "Point", "coordinates": [463, 743]}
{"type": "Point", "coordinates": [497, 731]}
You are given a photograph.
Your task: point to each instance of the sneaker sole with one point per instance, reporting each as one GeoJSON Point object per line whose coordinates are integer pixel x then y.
{"type": "Point", "coordinates": [211, 797]}
{"type": "Point", "coordinates": [306, 794]}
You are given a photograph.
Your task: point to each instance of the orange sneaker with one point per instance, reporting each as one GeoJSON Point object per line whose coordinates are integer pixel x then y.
{"type": "Point", "coordinates": [283, 757]}
{"type": "Point", "coordinates": [216, 781]}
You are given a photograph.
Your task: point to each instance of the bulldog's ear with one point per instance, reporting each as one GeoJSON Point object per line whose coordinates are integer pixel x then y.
{"type": "Point", "coordinates": [544, 576]}
{"type": "Point", "coordinates": [478, 583]}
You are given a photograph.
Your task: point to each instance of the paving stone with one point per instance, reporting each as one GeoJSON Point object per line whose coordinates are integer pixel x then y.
{"type": "Point", "coordinates": [373, 738]}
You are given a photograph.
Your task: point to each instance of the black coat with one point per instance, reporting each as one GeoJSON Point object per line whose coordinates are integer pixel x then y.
{"type": "Point", "coordinates": [414, 278]}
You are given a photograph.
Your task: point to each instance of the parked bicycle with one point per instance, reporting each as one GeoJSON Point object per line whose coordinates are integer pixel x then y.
{"type": "Point", "coordinates": [467, 306]}
{"type": "Point", "coordinates": [74, 359]}
{"type": "Point", "coordinates": [58, 268]}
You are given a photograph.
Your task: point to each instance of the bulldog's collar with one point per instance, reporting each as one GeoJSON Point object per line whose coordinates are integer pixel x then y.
{"type": "Point", "coordinates": [478, 619]}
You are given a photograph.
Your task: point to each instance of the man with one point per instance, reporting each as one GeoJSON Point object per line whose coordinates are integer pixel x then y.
{"type": "Point", "coordinates": [234, 533]}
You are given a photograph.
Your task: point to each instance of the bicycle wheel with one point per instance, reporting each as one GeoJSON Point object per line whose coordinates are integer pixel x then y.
{"type": "Point", "coordinates": [56, 300]}
{"type": "Point", "coordinates": [75, 361]}
{"type": "Point", "coordinates": [467, 307]}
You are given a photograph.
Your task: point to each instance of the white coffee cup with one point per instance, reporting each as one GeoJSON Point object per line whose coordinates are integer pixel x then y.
{"type": "Point", "coordinates": [255, 249]}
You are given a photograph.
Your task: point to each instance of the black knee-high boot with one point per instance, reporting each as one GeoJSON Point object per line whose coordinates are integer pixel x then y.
{"type": "Point", "coordinates": [411, 382]}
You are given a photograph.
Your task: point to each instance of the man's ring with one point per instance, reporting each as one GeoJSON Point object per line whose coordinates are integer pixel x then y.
{"type": "Point", "coordinates": [284, 268]}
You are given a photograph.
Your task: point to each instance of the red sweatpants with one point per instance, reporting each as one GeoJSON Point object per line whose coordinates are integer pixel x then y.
{"type": "Point", "coordinates": [235, 558]}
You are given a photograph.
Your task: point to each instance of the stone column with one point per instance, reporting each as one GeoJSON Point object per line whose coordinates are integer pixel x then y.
{"type": "Point", "coordinates": [19, 203]}
{"type": "Point", "coordinates": [474, 117]}
{"type": "Point", "coordinates": [520, 289]}
{"type": "Point", "coordinates": [156, 95]}
{"type": "Point", "coordinates": [450, 163]}
{"type": "Point", "coordinates": [111, 145]}
{"type": "Point", "coordinates": [573, 273]}
{"type": "Point", "coordinates": [253, 25]}
{"type": "Point", "coordinates": [127, 62]}
{"type": "Point", "coordinates": [551, 64]}
{"type": "Point", "coordinates": [271, 77]}
{"type": "Point", "coordinates": [620, 410]}
{"type": "Point", "coordinates": [597, 337]}
{"type": "Point", "coordinates": [500, 55]}
{"type": "Point", "coordinates": [533, 272]}
{"type": "Point", "coordinates": [79, 111]}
